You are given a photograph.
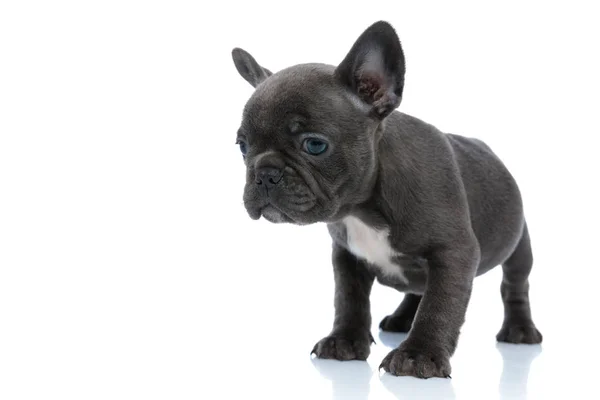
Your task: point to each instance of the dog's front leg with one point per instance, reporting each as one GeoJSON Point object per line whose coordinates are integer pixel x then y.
{"type": "Point", "coordinates": [350, 338]}
{"type": "Point", "coordinates": [431, 342]}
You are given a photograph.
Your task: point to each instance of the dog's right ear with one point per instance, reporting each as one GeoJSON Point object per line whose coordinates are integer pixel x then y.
{"type": "Point", "coordinates": [248, 68]}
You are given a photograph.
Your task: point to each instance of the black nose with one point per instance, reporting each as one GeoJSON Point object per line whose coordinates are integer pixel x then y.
{"type": "Point", "coordinates": [268, 176]}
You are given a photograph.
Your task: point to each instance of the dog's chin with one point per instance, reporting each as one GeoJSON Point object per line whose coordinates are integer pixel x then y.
{"type": "Point", "coordinates": [277, 215]}
{"type": "Point", "coordinates": [272, 214]}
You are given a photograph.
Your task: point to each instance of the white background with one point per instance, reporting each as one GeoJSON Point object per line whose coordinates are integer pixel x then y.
{"type": "Point", "coordinates": [128, 266]}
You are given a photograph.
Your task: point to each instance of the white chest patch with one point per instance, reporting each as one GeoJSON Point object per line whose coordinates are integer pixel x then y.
{"type": "Point", "coordinates": [373, 246]}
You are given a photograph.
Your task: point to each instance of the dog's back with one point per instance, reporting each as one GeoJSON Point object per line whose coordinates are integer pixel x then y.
{"type": "Point", "coordinates": [416, 150]}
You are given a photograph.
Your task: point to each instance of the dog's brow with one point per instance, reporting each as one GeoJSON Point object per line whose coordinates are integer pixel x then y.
{"type": "Point", "coordinates": [296, 125]}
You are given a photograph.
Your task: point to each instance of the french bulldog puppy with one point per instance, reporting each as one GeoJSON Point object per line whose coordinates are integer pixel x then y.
{"type": "Point", "coordinates": [419, 210]}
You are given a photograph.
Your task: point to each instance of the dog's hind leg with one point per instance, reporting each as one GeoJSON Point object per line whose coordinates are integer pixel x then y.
{"type": "Point", "coordinates": [518, 327]}
{"type": "Point", "coordinates": [401, 319]}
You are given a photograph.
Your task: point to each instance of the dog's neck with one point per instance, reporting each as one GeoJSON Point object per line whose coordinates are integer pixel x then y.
{"type": "Point", "coordinates": [372, 205]}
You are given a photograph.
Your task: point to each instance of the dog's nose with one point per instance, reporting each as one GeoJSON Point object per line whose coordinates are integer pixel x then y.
{"type": "Point", "coordinates": [268, 176]}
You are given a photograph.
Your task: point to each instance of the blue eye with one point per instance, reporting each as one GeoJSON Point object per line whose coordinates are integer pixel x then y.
{"type": "Point", "coordinates": [315, 146]}
{"type": "Point", "coordinates": [243, 147]}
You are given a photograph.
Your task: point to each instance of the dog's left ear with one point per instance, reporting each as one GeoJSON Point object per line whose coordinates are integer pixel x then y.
{"type": "Point", "coordinates": [248, 68]}
{"type": "Point", "coordinates": [374, 69]}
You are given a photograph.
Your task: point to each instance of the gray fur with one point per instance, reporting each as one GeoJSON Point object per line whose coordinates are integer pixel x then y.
{"type": "Point", "coordinates": [452, 208]}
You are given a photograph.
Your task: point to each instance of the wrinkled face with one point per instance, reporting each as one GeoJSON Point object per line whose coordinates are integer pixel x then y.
{"type": "Point", "coordinates": [308, 145]}
{"type": "Point", "coordinates": [309, 133]}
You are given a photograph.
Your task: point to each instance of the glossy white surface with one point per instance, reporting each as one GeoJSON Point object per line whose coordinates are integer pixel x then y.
{"type": "Point", "coordinates": [129, 268]}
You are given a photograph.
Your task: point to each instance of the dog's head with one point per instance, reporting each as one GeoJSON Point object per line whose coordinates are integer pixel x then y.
{"type": "Point", "coordinates": [309, 133]}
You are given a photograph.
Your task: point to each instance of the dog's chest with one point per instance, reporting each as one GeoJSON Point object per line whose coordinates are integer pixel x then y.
{"type": "Point", "coordinates": [373, 246]}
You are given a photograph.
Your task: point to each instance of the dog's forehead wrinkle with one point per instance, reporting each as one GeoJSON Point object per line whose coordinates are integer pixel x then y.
{"type": "Point", "coordinates": [294, 88]}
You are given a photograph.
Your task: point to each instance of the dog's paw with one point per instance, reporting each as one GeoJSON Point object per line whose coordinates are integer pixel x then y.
{"type": "Point", "coordinates": [519, 333]}
{"type": "Point", "coordinates": [343, 348]}
{"type": "Point", "coordinates": [397, 323]}
{"type": "Point", "coordinates": [408, 360]}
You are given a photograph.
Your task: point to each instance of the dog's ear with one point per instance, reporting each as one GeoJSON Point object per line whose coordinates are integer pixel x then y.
{"type": "Point", "coordinates": [248, 68]}
{"type": "Point", "coordinates": [374, 69]}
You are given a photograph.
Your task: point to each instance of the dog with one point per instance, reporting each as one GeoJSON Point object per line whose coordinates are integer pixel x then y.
{"type": "Point", "coordinates": [417, 209]}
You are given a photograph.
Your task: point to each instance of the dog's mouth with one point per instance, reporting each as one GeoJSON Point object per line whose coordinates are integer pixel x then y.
{"type": "Point", "coordinates": [292, 200]}
{"type": "Point", "coordinates": [278, 211]}
{"type": "Point", "coordinates": [278, 207]}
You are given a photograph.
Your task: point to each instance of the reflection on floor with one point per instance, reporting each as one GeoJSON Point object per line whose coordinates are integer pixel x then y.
{"type": "Point", "coordinates": [352, 379]}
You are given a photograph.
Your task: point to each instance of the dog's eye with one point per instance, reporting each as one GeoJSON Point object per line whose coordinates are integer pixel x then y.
{"type": "Point", "coordinates": [243, 147]}
{"type": "Point", "coordinates": [315, 146]}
